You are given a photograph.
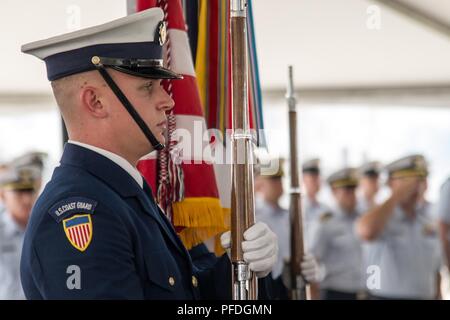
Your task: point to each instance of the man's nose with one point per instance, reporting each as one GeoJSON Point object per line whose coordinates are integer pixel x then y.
{"type": "Point", "coordinates": [167, 103]}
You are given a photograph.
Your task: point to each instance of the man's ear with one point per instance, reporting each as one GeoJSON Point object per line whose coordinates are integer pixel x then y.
{"type": "Point", "coordinates": [92, 102]}
{"type": "Point", "coordinates": [2, 195]}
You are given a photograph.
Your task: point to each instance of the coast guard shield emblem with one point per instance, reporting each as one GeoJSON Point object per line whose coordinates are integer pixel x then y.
{"type": "Point", "coordinates": [78, 230]}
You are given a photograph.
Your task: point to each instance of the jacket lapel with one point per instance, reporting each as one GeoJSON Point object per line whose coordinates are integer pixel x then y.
{"type": "Point", "coordinates": [148, 203]}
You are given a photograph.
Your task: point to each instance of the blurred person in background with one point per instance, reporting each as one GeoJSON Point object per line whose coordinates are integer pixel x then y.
{"type": "Point", "coordinates": [424, 204]}
{"type": "Point", "coordinates": [401, 238]}
{"type": "Point", "coordinates": [443, 211]}
{"type": "Point", "coordinates": [20, 182]}
{"type": "Point", "coordinates": [3, 167]}
{"type": "Point", "coordinates": [37, 159]}
{"type": "Point", "coordinates": [313, 208]}
{"type": "Point", "coordinates": [335, 244]}
{"type": "Point", "coordinates": [269, 190]}
{"type": "Point", "coordinates": [368, 185]}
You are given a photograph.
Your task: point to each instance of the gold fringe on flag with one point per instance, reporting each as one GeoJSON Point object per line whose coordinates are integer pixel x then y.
{"type": "Point", "coordinates": [201, 217]}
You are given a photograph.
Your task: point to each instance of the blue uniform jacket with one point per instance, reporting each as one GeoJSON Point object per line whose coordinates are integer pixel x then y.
{"type": "Point", "coordinates": [129, 249]}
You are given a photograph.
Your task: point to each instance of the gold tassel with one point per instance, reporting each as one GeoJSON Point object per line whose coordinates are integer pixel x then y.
{"type": "Point", "coordinates": [201, 218]}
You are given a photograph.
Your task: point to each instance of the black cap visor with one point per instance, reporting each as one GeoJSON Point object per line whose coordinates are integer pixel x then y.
{"type": "Point", "coordinates": [149, 72]}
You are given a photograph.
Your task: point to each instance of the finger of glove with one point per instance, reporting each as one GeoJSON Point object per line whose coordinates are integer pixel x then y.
{"type": "Point", "coordinates": [309, 273]}
{"type": "Point", "coordinates": [308, 257]}
{"type": "Point", "coordinates": [310, 279]}
{"type": "Point", "coordinates": [260, 254]}
{"type": "Point", "coordinates": [225, 240]}
{"type": "Point", "coordinates": [262, 274]}
{"type": "Point", "coordinates": [257, 243]}
{"type": "Point", "coordinates": [255, 231]}
{"type": "Point", "coordinates": [308, 265]}
{"type": "Point", "coordinates": [262, 265]}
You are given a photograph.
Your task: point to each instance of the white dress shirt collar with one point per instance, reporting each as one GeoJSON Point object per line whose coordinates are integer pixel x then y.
{"type": "Point", "coordinates": [121, 162]}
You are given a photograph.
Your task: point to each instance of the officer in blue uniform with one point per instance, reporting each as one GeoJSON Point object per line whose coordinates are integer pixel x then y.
{"type": "Point", "coordinates": [96, 231]}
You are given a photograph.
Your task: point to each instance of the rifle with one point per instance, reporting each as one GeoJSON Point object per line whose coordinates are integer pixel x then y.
{"type": "Point", "coordinates": [242, 193]}
{"type": "Point", "coordinates": [297, 290]}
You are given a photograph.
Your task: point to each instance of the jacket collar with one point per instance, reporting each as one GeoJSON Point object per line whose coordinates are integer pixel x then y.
{"type": "Point", "coordinates": [123, 163]}
{"type": "Point", "coordinates": [101, 167]}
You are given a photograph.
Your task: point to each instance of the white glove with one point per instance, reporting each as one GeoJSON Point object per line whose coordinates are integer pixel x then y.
{"type": "Point", "coordinates": [260, 247]}
{"type": "Point", "coordinates": [225, 241]}
{"type": "Point", "coordinates": [311, 271]}
{"type": "Point", "coordinates": [310, 268]}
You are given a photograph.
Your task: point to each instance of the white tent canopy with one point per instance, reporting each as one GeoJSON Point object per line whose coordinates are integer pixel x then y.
{"type": "Point", "coordinates": [328, 42]}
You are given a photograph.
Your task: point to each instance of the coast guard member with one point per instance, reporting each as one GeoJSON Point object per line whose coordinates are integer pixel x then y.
{"type": "Point", "coordinates": [312, 206]}
{"type": "Point", "coordinates": [96, 231]}
{"type": "Point", "coordinates": [423, 204]}
{"type": "Point", "coordinates": [269, 190]}
{"type": "Point", "coordinates": [335, 244]}
{"type": "Point", "coordinates": [19, 186]}
{"type": "Point", "coordinates": [443, 211]}
{"type": "Point", "coordinates": [369, 185]}
{"type": "Point", "coordinates": [3, 168]}
{"type": "Point", "coordinates": [402, 240]}
{"type": "Point", "coordinates": [35, 159]}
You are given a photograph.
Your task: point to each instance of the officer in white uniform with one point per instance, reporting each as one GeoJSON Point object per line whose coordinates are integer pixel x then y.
{"type": "Point", "coordinates": [19, 184]}
{"type": "Point", "coordinates": [402, 242]}
{"type": "Point", "coordinates": [443, 212]}
{"type": "Point", "coordinates": [269, 189]}
{"type": "Point", "coordinates": [3, 167]}
{"type": "Point", "coordinates": [424, 204]}
{"type": "Point", "coordinates": [335, 244]}
{"type": "Point", "coordinates": [313, 208]}
{"type": "Point", "coordinates": [369, 174]}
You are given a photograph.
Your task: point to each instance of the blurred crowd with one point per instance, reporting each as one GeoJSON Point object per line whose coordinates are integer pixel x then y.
{"type": "Point", "coordinates": [364, 248]}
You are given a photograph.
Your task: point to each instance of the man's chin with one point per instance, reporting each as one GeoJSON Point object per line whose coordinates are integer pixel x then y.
{"type": "Point", "coordinates": [161, 140]}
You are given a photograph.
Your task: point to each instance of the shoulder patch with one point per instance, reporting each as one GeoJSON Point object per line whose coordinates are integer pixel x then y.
{"type": "Point", "coordinates": [325, 216]}
{"type": "Point", "coordinates": [78, 230]}
{"type": "Point", "coordinates": [70, 206]}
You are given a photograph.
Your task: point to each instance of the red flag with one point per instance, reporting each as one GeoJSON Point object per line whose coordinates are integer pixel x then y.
{"type": "Point", "coordinates": [186, 191]}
